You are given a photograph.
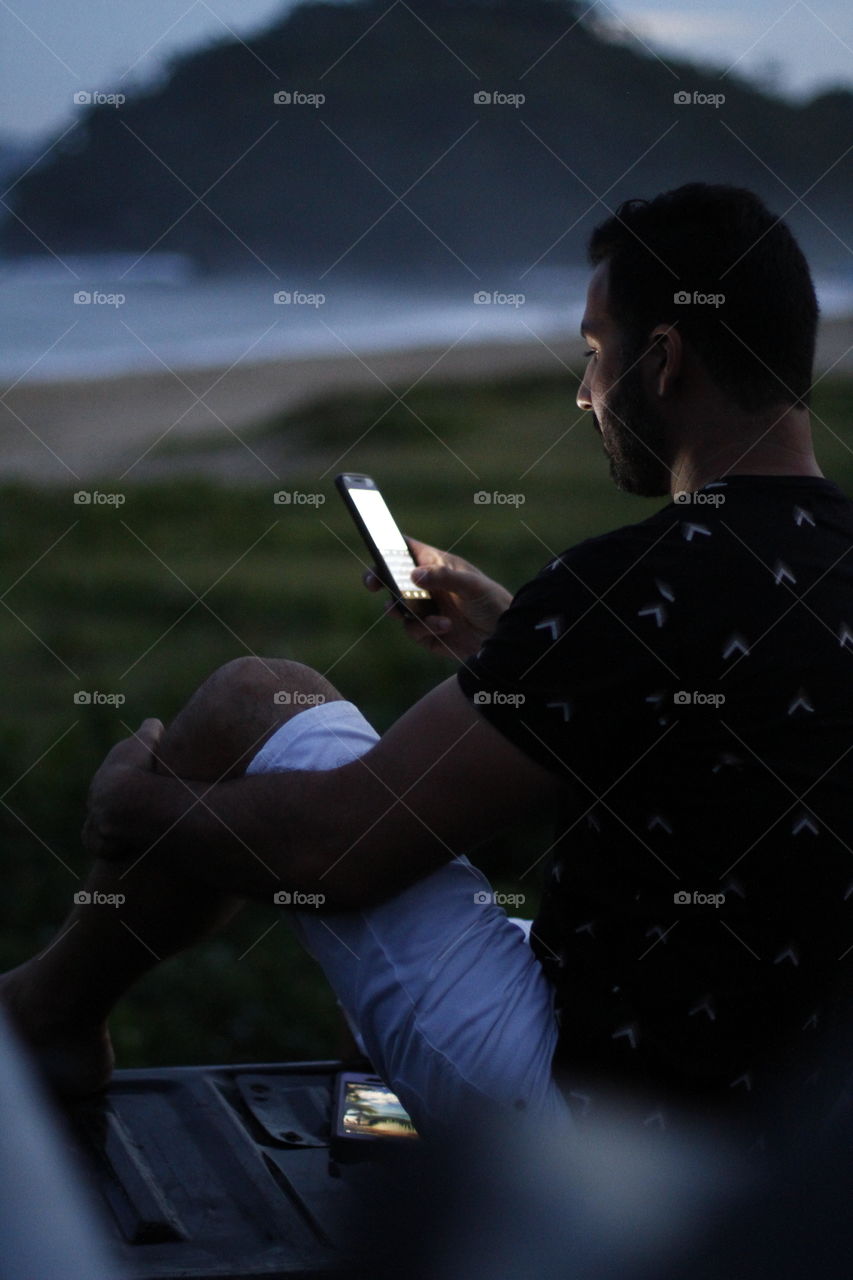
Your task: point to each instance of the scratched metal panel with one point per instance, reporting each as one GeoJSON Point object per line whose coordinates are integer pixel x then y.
{"type": "Point", "coordinates": [223, 1173]}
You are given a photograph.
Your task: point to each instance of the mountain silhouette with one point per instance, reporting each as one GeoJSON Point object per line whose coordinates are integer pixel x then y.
{"type": "Point", "coordinates": [399, 143]}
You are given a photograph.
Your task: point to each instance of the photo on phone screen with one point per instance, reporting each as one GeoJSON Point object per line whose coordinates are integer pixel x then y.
{"type": "Point", "coordinates": [390, 551]}
{"type": "Point", "coordinates": [367, 1108]}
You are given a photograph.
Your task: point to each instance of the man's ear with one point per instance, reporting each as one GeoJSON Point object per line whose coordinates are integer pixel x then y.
{"type": "Point", "coordinates": [666, 358]}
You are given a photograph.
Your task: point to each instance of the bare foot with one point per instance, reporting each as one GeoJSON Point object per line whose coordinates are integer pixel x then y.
{"type": "Point", "coordinates": [75, 1057]}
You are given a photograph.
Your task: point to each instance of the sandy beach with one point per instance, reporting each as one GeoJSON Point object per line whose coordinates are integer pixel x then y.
{"type": "Point", "coordinates": [124, 428]}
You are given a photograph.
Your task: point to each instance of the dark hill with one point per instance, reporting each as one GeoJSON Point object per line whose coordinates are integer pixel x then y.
{"type": "Point", "coordinates": [483, 184]}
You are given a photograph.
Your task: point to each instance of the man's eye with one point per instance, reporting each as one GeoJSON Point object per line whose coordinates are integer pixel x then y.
{"type": "Point", "coordinates": [587, 354]}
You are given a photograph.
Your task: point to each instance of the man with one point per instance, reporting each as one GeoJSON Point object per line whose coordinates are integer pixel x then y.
{"type": "Point", "coordinates": [677, 691]}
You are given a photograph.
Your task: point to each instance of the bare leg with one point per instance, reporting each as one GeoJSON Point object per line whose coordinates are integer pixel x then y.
{"type": "Point", "coordinates": [60, 999]}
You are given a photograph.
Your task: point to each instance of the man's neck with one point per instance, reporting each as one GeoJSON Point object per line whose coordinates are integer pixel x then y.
{"type": "Point", "coordinates": [777, 445]}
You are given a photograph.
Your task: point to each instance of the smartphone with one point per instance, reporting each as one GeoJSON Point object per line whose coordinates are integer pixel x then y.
{"type": "Point", "coordinates": [385, 542]}
{"type": "Point", "coordinates": [366, 1108]}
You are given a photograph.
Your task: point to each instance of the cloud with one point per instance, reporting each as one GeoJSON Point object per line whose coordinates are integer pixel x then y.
{"type": "Point", "coordinates": [675, 27]}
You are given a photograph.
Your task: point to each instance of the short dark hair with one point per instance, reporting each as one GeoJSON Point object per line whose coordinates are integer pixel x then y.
{"type": "Point", "coordinates": [758, 344]}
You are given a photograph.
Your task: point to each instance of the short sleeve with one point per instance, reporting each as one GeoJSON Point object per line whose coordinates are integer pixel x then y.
{"type": "Point", "coordinates": [566, 654]}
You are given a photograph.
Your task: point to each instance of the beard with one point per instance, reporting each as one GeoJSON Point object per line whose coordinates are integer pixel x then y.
{"type": "Point", "coordinates": [634, 437]}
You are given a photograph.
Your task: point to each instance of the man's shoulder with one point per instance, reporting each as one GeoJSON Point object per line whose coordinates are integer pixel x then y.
{"type": "Point", "coordinates": [712, 519]}
{"type": "Point", "coordinates": [625, 539]}
{"type": "Point", "coordinates": [607, 554]}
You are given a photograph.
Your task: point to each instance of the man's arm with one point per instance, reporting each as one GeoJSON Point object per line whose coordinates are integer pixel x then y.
{"type": "Point", "coordinates": [439, 782]}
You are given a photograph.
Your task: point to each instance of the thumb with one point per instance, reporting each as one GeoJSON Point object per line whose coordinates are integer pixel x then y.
{"type": "Point", "coordinates": [442, 577]}
{"type": "Point", "coordinates": [149, 733]}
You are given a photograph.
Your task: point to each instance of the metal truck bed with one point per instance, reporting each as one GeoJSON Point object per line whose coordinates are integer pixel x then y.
{"type": "Point", "coordinates": [224, 1171]}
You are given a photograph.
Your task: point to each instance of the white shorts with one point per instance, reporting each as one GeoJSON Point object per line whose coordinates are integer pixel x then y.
{"type": "Point", "coordinates": [452, 1006]}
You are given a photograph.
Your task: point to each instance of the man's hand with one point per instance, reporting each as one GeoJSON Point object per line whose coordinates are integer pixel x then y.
{"type": "Point", "coordinates": [109, 832]}
{"type": "Point", "coordinates": [468, 604]}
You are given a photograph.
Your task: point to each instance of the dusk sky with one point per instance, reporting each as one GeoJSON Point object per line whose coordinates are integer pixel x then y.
{"type": "Point", "coordinates": [50, 49]}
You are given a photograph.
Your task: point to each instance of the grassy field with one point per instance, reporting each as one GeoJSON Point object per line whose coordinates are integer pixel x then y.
{"type": "Point", "coordinates": [145, 598]}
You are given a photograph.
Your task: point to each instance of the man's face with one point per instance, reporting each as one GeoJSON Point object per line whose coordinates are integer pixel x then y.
{"type": "Point", "coordinates": [633, 432]}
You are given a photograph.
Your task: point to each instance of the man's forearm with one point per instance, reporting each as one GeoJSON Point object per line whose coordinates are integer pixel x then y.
{"type": "Point", "coordinates": [217, 833]}
{"type": "Point", "coordinates": [267, 833]}
{"type": "Point", "coordinates": [439, 782]}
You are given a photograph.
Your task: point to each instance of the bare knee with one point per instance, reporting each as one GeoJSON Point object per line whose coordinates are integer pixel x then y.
{"type": "Point", "coordinates": [235, 710]}
{"type": "Point", "coordinates": [256, 677]}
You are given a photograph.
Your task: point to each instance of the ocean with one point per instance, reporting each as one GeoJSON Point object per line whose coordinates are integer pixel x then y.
{"type": "Point", "coordinates": [102, 315]}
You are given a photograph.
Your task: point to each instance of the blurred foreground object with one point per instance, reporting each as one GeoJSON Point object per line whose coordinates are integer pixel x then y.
{"type": "Point", "coordinates": [231, 1172]}
{"type": "Point", "coordinates": [48, 1227]}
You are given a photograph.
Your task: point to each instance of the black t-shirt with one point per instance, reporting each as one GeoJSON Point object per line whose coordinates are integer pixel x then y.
{"type": "Point", "coordinates": [691, 678]}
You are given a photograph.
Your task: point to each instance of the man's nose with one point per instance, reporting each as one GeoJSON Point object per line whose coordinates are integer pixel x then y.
{"type": "Point", "coordinates": [583, 398]}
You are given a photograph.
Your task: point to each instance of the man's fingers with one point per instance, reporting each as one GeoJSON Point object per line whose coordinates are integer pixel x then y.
{"type": "Point", "coordinates": [437, 623]}
{"type": "Point", "coordinates": [441, 577]}
{"type": "Point", "coordinates": [147, 738]}
{"type": "Point", "coordinates": [425, 629]}
{"type": "Point", "coordinates": [419, 549]}
{"type": "Point", "coordinates": [150, 732]}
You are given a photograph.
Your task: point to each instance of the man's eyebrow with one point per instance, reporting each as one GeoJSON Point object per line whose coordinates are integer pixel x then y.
{"type": "Point", "coordinates": [586, 331]}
